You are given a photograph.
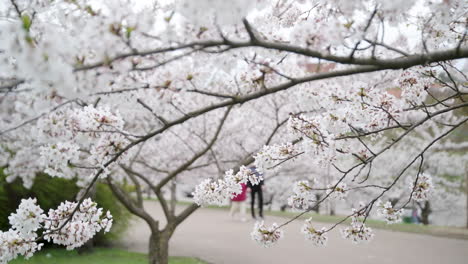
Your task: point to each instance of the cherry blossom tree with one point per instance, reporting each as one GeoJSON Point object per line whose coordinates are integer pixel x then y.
{"type": "Point", "coordinates": [124, 90]}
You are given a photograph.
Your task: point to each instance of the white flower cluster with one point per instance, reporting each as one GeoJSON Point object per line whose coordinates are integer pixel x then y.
{"type": "Point", "coordinates": [90, 120]}
{"type": "Point", "coordinates": [107, 146]}
{"type": "Point", "coordinates": [317, 237]}
{"type": "Point", "coordinates": [265, 236]}
{"type": "Point", "coordinates": [258, 73]}
{"type": "Point", "coordinates": [83, 225]}
{"type": "Point", "coordinates": [302, 198]}
{"type": "Point", "coordinates": [218, 192]}
{"type": "Point", "coordinates": [272, 156]}
{"type": "Point", "coordinates": [29, 219]}
{"type": "Point", "coordinates": [212, 192]}
{"type": "Point", "coordinates": [58, 158]}
{"type": "Point", "coordinates": [317, 134]}
{"type": "Point", "coordinates": [81, 138]}
{"type": "Point", "coordinates": [251, 174]}
{"type": "Point", "coordinates": [390, 214]}
{"type": "Point", "coordinates": [338, 192]}
{"type": "Point", "coordinates": [54, 125]}
{"type": "Point", "coordinates": [307, 126]}
{"type": "Point", "coordinates": [358, 232]}
{"type": "Point", "coordinates": [20, 239]}
{"type": "Point", "coordinates": [414, 86]}
{"type": "Point", "coordinates": [422, 188]}
{"type": "Point", "coordinates": [13, 244]}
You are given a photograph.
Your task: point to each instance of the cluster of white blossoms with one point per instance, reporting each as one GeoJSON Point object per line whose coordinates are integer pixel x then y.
{"type": "Point", "coordinates": [266, 236]}
{"type": "Point", "coordinates": [54, 125]}
{"type": "Point", "coordinates": [317, 134]}
{"type": "Point", "coordinates": [86, 137]}
{"type": "Point", "coordinates": [422, 188]}
{"type": "Point", "coordinates": [302, 197]}
{"type": "Point", "coordinates": [211, 192]}
{"type": "Point", "coordinates": [20, 239]}
{"type": "Point", "coordinates": [83, 225]}
{"type": "Point", "coordinates": [29, 218]}
{"type": "Point", "coordinates": [58, 158]}
{"type": "Point", "coordinates": [219, 191]}
{"type": "Point", "coordinates": [413, 86]}
{"type": "Point", "coordinates": [358, 232]}
{"type": "Point", "coordinates": [390, 214]}
{"type": "Point", "coordinates": [339, 191]}
{"type": "Point", "coordinates": [270, 157]}
{"type": "Point", "coordinates": [12, 244]}
{"type": "Point", "coordinates": [92, 120]}
{"type": "Point", "coordinates": [258, 73]}
{"type": "Point", "coordinates": [253, 175]}
{"type": "Point", "coordinates": [302, 125]}
{"type": "Point", "coordinates": [317, 237]}
{"type": "Point", "coordinates": [108, 146]}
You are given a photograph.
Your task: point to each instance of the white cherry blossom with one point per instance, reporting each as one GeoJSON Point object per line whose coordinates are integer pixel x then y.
{"type": "Point", "coordinates": [266, 236]}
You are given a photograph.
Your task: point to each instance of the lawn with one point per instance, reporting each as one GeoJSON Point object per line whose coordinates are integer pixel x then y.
{"type": "Point", "coordinates": [98, 256]}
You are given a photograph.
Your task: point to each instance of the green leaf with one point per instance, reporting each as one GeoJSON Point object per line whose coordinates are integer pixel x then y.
{"type": "Point", "coordinates": [27, 22]}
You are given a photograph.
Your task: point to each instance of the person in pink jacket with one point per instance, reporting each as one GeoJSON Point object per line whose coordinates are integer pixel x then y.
{"type": "Point", "coordinates": [238, 204]}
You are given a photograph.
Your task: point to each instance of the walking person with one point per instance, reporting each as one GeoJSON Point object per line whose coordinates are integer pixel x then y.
{"type": "Point", "coordinates": [256, 190]}
{"type": "Point", "coordinates": [238, 204]}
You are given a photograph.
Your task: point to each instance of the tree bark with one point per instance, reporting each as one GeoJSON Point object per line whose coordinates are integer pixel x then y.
{"type": "Point", "coordinates": [331, 205]}
{"type": "Point", "coordinates": [173, 196]}
{"type": "Point", "coordinates": [466, 193]}
{"type": "Point", "coordinates": [425, 212]}
{"type": "Point", "coordinates": [316, 208]}
{"type": "Point", "coordinates": [159, 248]}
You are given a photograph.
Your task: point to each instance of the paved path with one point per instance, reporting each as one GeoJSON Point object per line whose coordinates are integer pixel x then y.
{"type": "Point", "coordinates": [211, 235]}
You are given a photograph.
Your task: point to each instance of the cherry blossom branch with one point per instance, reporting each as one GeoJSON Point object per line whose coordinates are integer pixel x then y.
{"type": "Point", "coordinates": [157, 192]}
{"type": "Point", "coordinates": [187, 164]}
{"type": "Point", "coordinates": [131, 206]}
{"type": "Point", "coordinates": [5, 88]}
{"type": "Point", "coordinates": [32, 120]}
{"type": "Point", "coordinates": [139, 193]}
{"type": "Point", "coordinates": [394, 63]}
{"type": "Point", "coordinates": [402, 63]}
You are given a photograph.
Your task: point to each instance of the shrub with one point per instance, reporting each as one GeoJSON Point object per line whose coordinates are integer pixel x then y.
{"type": "Point", "coordinates": [50, 192]}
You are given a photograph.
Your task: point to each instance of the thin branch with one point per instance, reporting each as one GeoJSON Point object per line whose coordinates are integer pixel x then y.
{"type": "Point", "coordinates": [188, 163]}
{"type": "Point", "coordinates": [157, 192]}
{"type": "Point", "coordinates": [124, 199]}
{"type": "Point", "coordinates": [37, 117]}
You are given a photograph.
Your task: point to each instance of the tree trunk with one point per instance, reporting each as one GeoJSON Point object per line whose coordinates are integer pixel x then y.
{"type": "Point", "coordinates": [173, 195]}
{"type": "Point", "coordinates": [316, 208]}
{"type": "Point", "coordinates": [159, 249]}
{"type": "Point", "coordinates": [425, 212]}
{"type": "Point", "coordinates": [331, 205]}
{"type": "Point", "coordinates": [466, 193]}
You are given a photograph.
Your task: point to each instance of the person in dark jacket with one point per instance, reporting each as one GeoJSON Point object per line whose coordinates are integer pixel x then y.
{"type": "Point", "coordinates": [254, 191]}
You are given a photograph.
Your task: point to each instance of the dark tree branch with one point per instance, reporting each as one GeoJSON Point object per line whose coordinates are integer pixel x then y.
{"type": "Point", "coordinates": [188, 163]}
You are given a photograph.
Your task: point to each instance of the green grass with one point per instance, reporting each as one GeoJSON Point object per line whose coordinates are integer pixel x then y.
{"type": "Point", "coordinates": [98, 256]}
